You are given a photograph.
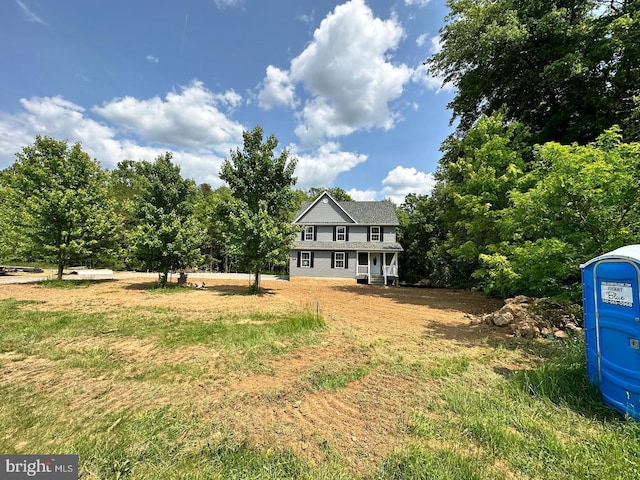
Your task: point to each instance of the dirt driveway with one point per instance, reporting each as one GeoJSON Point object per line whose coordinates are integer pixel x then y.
{"type": "Point", "coordinates": [395, 333]}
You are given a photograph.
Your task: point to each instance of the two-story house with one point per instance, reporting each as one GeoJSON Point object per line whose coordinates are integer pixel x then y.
{"type": "Point", "coordinates": [346, 240]}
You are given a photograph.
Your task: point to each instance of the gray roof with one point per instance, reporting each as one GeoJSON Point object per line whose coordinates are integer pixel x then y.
{"type": "Point", "coordinates": [364, 213]}
{"type": "Point", "coordinates": [349, 246]}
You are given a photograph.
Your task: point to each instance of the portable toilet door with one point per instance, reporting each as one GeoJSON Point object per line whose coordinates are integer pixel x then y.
{"type": "Point", "coordinates": [612, 327]}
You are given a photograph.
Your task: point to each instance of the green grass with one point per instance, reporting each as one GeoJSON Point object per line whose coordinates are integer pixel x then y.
{"type": "Point", "coordinates": [545, 423]}
{"type": "Point", "coordinates": [469, 418]}
{"type": "Point", "coordinates": [333, 376]}
{"type": "Point", "coordinates": [70, 284]}
{"type": "Point", "coordinates": [23, 329]}
{"type": "Point", "coordinates": [449, 366]}
{"type": "Point", "coordinates": [417, 463]}
{"type": "Point", "coordinates": [169, 444]}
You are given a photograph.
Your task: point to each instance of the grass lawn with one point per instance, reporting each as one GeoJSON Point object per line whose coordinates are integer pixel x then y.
{"type": "Point", "coordinates": [144, 384]}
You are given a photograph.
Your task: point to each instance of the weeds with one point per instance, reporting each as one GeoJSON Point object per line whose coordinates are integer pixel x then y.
{"type": "Point", "coordinates": [467, 416]}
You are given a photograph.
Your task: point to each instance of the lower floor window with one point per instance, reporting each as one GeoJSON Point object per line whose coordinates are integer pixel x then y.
{"type": "Point", "coordinates": [339, 259]}
{"type": "Point", "coordinates": [305, 259]}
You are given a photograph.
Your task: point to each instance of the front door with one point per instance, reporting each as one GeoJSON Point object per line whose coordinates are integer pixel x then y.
{"type": "Point", "coordinates": [376, 264]}
{"type": "Point", "coordinates": [618, 335]}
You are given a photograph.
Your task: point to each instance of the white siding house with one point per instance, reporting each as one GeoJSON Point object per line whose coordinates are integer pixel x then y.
{"type": "Point", "coordinates": [346, 240]}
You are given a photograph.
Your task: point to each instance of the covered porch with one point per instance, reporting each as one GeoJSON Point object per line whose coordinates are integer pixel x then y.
{"type": "Point", "coordinates": [377, 267]}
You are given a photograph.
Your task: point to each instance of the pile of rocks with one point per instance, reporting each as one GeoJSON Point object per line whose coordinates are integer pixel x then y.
{"type": "Point", "coordinates": [533, 317]}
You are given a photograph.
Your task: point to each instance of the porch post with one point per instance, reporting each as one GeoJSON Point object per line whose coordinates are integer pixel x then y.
{"type": "Point", "coordinates": [368, 268]}
{"type": "Point", "coordinates": [384, 267]}
{"type": "Point", "coordinates": [395, 264]}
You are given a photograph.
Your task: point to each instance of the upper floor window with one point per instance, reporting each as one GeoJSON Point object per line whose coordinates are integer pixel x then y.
{"type": "Point", "coordinates": [375, 234]}
{"type": "Point", "coordinates": [341, 233]}
{"type": "Point", "coordinates": [308, 232]}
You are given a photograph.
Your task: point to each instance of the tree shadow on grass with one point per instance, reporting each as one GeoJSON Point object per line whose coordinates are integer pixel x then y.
{"type": "Point", "coordinates": [173, 288]}
{"type": "Point", "coordinates": [472, 303]}
{"type": "Point", "coordinates": [228, 290]}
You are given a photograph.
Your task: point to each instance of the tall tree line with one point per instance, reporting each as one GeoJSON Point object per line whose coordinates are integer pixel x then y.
{"type": "Point", "coordinates": [542, 169]}
{"type": "Point", "coordinates": [59, 206]}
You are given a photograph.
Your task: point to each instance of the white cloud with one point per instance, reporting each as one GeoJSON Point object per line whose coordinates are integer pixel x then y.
{"type": "Point", "coordinates": [189, 119]}
{"type": "Point", "coordinates": [61, 119]}
{"type": "Point", "coordinates": [277, 89]}
{"type": "Point", "coordinates": [362, 195]}
{"type": "Point", "coordinates": [323, 165]}
{"type": "Point", "coordinates": [436, 44]}
{"type": "Point", "coordinates": [152, 59]}
{"type": "Point", "coordinates": [231, 99]}
{"type": "Point", "coordinates": [29, 15]}
{"type": "Point", "coordinates": [65, 120]}
{"type": "Point", "coordinates": [436, 83]}
{"type": "Point", "coordinates": [348, 73]}
{"type": "Point", "coordinates": [419, 3]}
{"type": "Point", "coordinates": [307, 17]}
{"type": "Point", "coordinates": [421, 39]}
{"type": "Point", "coordinates": [227, 3]}
{"type": "Point", "coordinates": [401, 181]}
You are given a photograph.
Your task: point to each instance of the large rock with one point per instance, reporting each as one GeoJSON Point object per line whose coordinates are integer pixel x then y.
{"type": "Point", "coordinates": [502, 319]}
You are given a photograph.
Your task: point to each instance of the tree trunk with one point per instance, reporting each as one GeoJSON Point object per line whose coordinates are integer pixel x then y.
{"type": "Point", "coordinates": [60, 268]}
{"type": "Point", "coordinates": [255, 288]}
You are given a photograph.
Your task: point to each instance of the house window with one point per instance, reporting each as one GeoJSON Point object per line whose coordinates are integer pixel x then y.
{"type": "Point", "coordinates": [308, 232]}
{"type": "Point", "coordinates": [339, 260]}
{"type": "Point", "coordinates": [341, 233]}
{"type": "Point", "coordinates": [375, 234]}
{"type": "Point", "coordinates": [305, 259]}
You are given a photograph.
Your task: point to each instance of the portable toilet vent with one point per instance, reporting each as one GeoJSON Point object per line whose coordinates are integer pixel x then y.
{"type": "Point", "coordinates": [612, 327]}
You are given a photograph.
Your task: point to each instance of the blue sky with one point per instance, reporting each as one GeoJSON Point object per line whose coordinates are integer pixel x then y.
{"type": "Point", "coordinates": [341, 84]}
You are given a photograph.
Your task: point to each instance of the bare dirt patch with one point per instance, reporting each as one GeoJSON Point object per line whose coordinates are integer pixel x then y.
{"type": "Point", "coordinates": [400, 332]}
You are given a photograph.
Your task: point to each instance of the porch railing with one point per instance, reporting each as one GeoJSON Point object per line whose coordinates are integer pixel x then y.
{"type": "Point", "coordinates": [363, 269]}
{"type": "Point", "coordinates": [391, 270]}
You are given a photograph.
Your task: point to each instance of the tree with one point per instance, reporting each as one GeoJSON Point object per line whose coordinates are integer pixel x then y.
{"type": "Point", "coordinates": [126, 186]}
{"type": "Point", "coordinates": [60, 204]}
{"type": "Point", "coordinates": [582, 202]}
{"type": "Point", "coordinates": [338, 194]}
{"type": "Point", "coordinates": [213, 212]}
{"type": "Point", "coordinates": [473, 191]}
{"type": "Point", "coordinates": [260, 214]}
{"type": "Point", "coordinates": [421, 233]}
{"type": "Point", "coordinates": [11, 242]}
{"type": "Point", "coordinates": [167, 235]}
{"type": "Point", "coordinates": [566, 69]}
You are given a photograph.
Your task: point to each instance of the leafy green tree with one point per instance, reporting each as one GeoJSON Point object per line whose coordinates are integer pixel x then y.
{"type": "Point", "coordinates": [126, 185]}
{"type": "Point", "coordinates": [421, 233]}
{"type": "Point", "coordinates": [260, 214]}
{"type": "Point", "coordinates": [566, 69]}
{"type": "Point", "coordinates": [12, 244]}
{"type": "Point", "coordinates": [338, 194]}
{"type": "Point", "coordinates": [473, 192]}
{"type": "Point", "coordinates": [166, 235]}
{"type": "Point", "coordinates": [213, 212]}
{"type": "Point", "coordinates": [582, 201]}
{"type": "Point", "coordinates": [59, 203]}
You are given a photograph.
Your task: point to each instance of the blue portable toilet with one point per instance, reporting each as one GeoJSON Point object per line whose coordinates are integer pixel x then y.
{"type": "Point", "coordinates": [612, 327]}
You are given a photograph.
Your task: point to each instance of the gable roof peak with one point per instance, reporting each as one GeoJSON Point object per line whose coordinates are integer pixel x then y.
{"type": "Point", "coordinates": [324, 194]}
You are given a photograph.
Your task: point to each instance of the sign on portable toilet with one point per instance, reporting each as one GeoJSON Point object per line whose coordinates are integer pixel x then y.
{"type": "Point", "coordinates": [612, 327]}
